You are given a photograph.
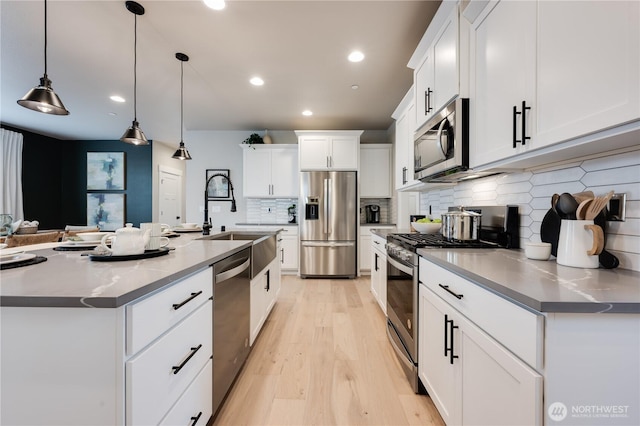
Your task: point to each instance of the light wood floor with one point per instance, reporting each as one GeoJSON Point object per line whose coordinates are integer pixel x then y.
{"type": "Point", "coordinates": [323, 358]}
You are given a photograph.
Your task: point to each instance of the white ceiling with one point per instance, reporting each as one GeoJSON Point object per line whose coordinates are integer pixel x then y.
{"type": "Point", "coordinates": [298, 47]}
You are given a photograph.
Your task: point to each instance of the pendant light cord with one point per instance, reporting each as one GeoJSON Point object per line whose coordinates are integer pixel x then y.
{"type": "Point", "coordinates": [45, 38]}
{"type": "Point", "coordinates": [181, 98]}
{"type": "Point", "coordinates": [135, 67]}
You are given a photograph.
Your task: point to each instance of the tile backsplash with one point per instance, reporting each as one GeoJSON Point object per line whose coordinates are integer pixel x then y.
{"type": "Point", "coordinates": [269, 210]}
{"type": "Point", "coordinates": [532, 191]}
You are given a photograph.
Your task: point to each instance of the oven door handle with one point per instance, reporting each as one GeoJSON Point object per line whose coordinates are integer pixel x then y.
{"type": "Point", "coordinates": [404, 356]}
{"type": "Point", "coordinates": [404, 268]}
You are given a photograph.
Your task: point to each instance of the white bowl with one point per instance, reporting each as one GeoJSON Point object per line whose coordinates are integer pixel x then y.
{"type": "Point", "coordinates": [427, 227]}
{"type": "Point", "coordinates": [91, 236]}
{"type": "Point", "coordinates": [189, 225]}
{"type": "Point", "coordinates": [537, 251]}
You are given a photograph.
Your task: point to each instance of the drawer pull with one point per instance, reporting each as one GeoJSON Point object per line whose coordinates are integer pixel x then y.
{"type": "Point", "coordinates": [176, 369]}
{"type": "Point", "coordinates": [446, 287]}
{"type": "Point", "coordinates": [196, 418]}
{"type": "Point", "coordinates": [177, 306]}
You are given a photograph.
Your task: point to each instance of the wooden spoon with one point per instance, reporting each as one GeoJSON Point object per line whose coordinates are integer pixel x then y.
{"type": "Point", "coordinates": [581, 211]}
{"type": "Point", "coordinates": [554, 201]}
{"type": "Point", "coordinates": [597, 205]}
{"type": "Point", "coordinates": [585, 195]}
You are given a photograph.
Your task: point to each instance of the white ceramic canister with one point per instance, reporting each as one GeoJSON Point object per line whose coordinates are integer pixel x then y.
{"type": "Point", "coordinates": [579, 244]}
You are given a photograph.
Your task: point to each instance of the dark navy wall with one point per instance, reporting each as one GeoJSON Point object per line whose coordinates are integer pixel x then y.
{"type": "Point", "coordinates": [54, 179]}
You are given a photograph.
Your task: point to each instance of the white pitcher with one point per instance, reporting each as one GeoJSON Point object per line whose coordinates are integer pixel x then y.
{"type": "Point", "coordinates": [127, 241]}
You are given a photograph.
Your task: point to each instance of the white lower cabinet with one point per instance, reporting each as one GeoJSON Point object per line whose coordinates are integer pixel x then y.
{"type": "Point", "coordinates": [365, 253]}
{"type": "Point", "coordinates": [144, 363]}
{"type": "Point", "coordinates": [471, 377]}
{"type": "Point", "coordinates": [379, 270]}
{"type": "Point", "coordinates": [288, 249]}
{"type": "Point", "coordinates": [160, 374]}
{"type": "Point", "coordinates": [264, 292]}
{"type": "Point", "coordinates": [194, 407]}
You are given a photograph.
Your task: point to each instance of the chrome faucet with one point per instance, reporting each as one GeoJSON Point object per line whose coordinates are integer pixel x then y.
{"type": "Point", "coordinates": [206, 226]}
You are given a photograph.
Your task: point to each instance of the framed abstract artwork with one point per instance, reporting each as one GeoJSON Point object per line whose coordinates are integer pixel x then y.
{"type": "Point", "coordinates": [218, 187]}
{"type": "Point", "coordinates": [105, 210]}
{"type": "Point", "coordinates": [105, 171]}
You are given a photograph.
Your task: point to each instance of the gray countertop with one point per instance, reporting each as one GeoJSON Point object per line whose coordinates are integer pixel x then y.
{"type": "Point", "coordinates": [543, 286]}
{"type": "Point", "coordinates": [68, 279]}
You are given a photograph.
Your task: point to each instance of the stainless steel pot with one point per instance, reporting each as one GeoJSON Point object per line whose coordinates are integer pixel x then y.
{"type": "Point", "coordinates": [461, 225]}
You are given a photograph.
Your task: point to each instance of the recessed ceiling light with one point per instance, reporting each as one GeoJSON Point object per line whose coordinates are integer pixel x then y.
{"type": "Point", "coordinates": [256, 81]}
{"type": "Point", "coordinates": [355, 87]}
{"type": "Point", "coordinates": [112, 114]}
{"type": "Point", "coordinates": [356, 56]}
{"type": "Point", "coordinates": [307, 113]}
{"type": "Point", "coordinates": [116, 98]}
{"type": "Point", "coordinates": [215, 4]}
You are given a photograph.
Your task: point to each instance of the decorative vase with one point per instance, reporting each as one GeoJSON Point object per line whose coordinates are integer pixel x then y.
{"type": "Point", "coordinates": [267, 138]}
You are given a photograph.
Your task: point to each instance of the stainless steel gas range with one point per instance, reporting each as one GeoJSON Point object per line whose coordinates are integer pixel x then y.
{"type": "Point", "coordinates": [499, 228]}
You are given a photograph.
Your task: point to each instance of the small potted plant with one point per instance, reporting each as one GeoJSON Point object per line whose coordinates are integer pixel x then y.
{"type": "Point", "coordinates": [253, 139]}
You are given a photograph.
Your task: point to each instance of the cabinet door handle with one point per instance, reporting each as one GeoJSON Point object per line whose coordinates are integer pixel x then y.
{"type": "Point", "coordinates": [448, 290]}
{"type": "Point", "coordinates": [524, 122]}
{"type": "Point", "coordinates": [177, 306]}
{"type": "Point", "coordinates": [196, 418]}
{"type": "Point", "coordinates": [375, 263]}
{"type": "Point", "coordinates": [515, 125]}
{"type": "Point", "coordinates": [451, 350]}
{"type": "Point", "coordinates": [404, 175]}
{"type": "Point", "coordinates": [427, 100]}
{"type": "Point", "coordinates": [446, 335]}
{"type": "Point", "coordinates": [177, 368]}
{"type": "Point", "coordinates": [282, 255]}
{"type": "Point", "coordinates": [268, 286]}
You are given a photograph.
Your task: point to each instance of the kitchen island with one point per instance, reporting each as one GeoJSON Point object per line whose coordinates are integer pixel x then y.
{"type": "Point", "coordinates": [551, 343]}
{"type": "Point", "coordinates": [87, 342]}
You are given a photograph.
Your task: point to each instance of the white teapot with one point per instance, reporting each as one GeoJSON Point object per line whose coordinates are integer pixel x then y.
{"type": "Point", "coordinates": [127, 241]}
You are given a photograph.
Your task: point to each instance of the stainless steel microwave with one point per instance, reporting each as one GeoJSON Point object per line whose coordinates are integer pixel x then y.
{"type": "Point", "coordinates": [441, 146]}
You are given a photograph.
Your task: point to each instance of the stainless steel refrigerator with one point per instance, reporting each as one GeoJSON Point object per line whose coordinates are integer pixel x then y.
{"type": "Point", "coordinates": [328, 224]}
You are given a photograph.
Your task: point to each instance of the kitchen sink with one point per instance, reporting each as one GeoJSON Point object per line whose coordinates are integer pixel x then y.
{"type": "Point", "coordinates": [263, 248]}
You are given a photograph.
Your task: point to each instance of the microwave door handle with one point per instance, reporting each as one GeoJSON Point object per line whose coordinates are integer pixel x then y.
{"type": "Point", "coordinates": [439, 138]}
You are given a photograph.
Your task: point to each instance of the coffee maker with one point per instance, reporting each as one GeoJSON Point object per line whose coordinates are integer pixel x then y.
{"type": "Point", "coordinates": [373, 213]}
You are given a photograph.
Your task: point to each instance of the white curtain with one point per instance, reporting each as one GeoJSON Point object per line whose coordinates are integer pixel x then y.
{"type": "Point", "coordinates": [11, 201]}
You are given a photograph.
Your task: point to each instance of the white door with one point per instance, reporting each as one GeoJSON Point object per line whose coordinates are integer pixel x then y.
{"type": "Point", "coordinates": [503, 68]}
{"type": "Point", "coordinates": [170, 197]}
{"type": "Point", "coordinates": [284, 173]}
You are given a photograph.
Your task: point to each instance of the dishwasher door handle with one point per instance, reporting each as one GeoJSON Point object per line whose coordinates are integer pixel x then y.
{"type": "Point", "coordinates": [223, 276]}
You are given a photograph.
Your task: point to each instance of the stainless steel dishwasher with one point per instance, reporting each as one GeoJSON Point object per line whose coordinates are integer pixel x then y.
{"type": "Point", "coordinates": [231, 316]}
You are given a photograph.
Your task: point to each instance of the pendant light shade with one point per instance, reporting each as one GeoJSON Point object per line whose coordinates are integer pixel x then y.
{"type": "Point", "coordinates": [42, 98]}
{"type": "Point", "coordinates": [134, 135]}
{"type": "Point", "coordinates": [182, 153]}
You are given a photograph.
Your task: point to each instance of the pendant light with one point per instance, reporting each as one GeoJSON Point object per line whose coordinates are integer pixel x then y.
{"type": "Point", "coordinates": [182, 153]}
{"type": "Point", "coordinates": [42, 98]}
{"type": "Point", "coordinates": [134, 135]}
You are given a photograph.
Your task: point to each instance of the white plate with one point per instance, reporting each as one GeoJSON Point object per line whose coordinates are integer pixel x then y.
{"type": "Point", "coordinates": [81, 243]}
{"type": "Point", "coordinates": [15, 257]}
{"type": "Point", "coordinates": [5, 254]}
{"type": "Point", "coordinates": [178, 229]}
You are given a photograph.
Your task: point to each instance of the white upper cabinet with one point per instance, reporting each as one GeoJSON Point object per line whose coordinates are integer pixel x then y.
{"type": "Point", "coordinates": [375, 171]}
{"type": "Point", "coordinates": [503, 80]}
{"type": "Point", "coordinates": [588, 72]}
{"type": "Point", "coordinates": [436, 76]}
{"type": "Point", "coordinates": [328, 150]}
{"type": "Point", "coordinates": [270, 171]}
{"type": "Point", "coordinates": [405, 125]}
{"type": "Point", "coordinates": [536, 81]}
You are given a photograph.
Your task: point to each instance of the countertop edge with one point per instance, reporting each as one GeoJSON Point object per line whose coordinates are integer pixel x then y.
{"type": "Point", "coordinates": [115, 302]}
{"type": "Point", "coordinates": [535, 305]}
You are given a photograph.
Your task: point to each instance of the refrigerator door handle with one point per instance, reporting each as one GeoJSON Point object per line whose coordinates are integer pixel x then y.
{"type": "Point", "coordinates": [327, 205]}
{"type": "Point", "coordinates": [327, 244]}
